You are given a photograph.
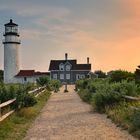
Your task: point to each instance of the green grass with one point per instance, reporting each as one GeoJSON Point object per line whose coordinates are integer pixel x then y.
{"type": "Point", "coordinates": [15, 127]}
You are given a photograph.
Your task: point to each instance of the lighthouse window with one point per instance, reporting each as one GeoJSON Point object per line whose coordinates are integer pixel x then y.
{"type": "Point", "coordinates": [14, 29]}
{"type": "Point", "coordinates": [8, 29]}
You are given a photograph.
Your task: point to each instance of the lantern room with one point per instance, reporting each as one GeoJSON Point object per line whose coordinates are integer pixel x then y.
{"type": "Point", "coordinates": [11, 28]}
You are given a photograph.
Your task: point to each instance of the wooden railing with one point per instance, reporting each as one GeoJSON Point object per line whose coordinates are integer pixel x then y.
{"type": "Point", "coordinates": [35, 92]}
{"type": "Point", "coordinates": [2, 117]}
{"type": "Point", "coordinates": [132, 99]}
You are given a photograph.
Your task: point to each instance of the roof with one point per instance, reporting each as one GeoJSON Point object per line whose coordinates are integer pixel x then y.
{"type": "Point", "coordinates": [82, 67]}
{"type": "Point", "coordinates": [38, 73]}
{"type": "Point", "coordinates": [26, 73]}
{"type": "Point", "coordinates": [54, 65]}
{"type": "Point", "coordinates": [11, 23]}
{"type": "Point", "coordinates": [23, 73]}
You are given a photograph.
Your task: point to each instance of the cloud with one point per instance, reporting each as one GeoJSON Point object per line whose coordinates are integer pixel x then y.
{"type": "Point", "coordinates": [107, 32]}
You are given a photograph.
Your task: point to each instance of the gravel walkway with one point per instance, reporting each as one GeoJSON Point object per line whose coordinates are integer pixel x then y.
{"type": "Point", "coordinates": [66, 117]}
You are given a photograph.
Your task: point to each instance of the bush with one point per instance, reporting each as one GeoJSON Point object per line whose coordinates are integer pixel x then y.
{"type": "Point", "coordinates": [85, 95]}
{"type": "Point", "coordinates": [20, 92]}
{"type": "Point", "coordinates": [43, 81]}
{"type": "Point", "coordinates": [105, 96]}
{"type": "Point", "coordinates": [119, 75]}
{"type": "Point", "coordinates": [54, 85]}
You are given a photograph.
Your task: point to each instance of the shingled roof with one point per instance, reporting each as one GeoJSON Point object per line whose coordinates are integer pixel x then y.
{"type": "Point", "coordinates": [54, 65]}
{"type": "Point", "coordinates": [82, 67]}
{"type": "Point", "coordinates": [23, 73]}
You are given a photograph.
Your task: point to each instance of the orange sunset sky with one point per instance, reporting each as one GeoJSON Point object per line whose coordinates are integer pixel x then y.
{"type": "Point", "coordinates": [107, 31]}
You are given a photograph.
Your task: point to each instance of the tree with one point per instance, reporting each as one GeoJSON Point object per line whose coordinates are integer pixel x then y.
{"type": "Point", "coordinates": [100, 74]}
{"type": "Point", "coordinates": [1, 75]}
{"type": "Point", "coordinates": [119, 75]}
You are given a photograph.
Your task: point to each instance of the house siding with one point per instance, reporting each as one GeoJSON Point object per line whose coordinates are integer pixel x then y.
{"type": "Point", "coordinates": [73, 75]}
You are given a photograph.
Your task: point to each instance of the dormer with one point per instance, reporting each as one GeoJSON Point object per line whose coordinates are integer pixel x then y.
{"type": "Point", "coordinates": [68, 66]}
{"type": "Point", "coordinates": [61, 67]}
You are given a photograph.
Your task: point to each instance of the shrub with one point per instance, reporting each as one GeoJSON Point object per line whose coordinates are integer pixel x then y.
{"type": "Point", "coordinates": [85, 95]}
{"type": "Point", "coordinates": [119, 75]}
{"type": "Point", "coordinates": [42, 81]}
{"type": "Point", "coordinates": [20, 92]}
{"type": "Point", "coordinates": [104, 97]}
{"type": "Point", "coordinates": [54, 85]}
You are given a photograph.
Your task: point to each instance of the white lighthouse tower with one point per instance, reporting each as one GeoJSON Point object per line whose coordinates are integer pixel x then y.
{"type": "Point", "coordinates": [11, 52]}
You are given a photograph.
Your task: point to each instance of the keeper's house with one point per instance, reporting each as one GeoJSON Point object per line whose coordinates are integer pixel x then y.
{"type": "Point", "coordinates": [68, 71]}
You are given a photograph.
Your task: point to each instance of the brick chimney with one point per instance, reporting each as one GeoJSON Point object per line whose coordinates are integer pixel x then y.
{"type": "Point", "coordinates": [66, 56]}
{"type": "Point", "coordinates": [87, 60]}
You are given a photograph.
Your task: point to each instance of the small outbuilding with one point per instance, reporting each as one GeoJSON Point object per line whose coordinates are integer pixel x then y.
{"type": "Point", "coordinates": [29, 76]}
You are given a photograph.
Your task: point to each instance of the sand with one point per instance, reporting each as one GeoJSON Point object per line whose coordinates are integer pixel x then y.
{"type": "Point", "coordinates": [66, 117]}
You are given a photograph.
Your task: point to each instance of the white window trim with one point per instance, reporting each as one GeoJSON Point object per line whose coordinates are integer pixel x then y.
{"type": "Point", "coordinates": [80, 76]}
{"type": "Point", "coordinates": [68, 76]}
{"type": "Point", "coordinates": [55, 76]}
{"type": "Point", "coordinates": [62, 76]}
{"type": "Point", "coordinates": [68, 67]}
{"type": "Point", "coordinates": [61, 67]}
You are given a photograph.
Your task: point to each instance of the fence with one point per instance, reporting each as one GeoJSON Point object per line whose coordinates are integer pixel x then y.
{"type": "Point", "coordinates": [35, 92]}
{"type": "Point", "coordinates": [132, 99]}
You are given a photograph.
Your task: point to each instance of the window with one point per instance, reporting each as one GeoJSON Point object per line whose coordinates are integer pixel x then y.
{"type": "Point", "coordinates": [67, 76]}
{"type": "Point", "coordinates": [61, 76]}
{"type": "Point", "coordinates": [82, 76]}
{"type": "Point", "coordinates": [67, 67]}
{"type": "Point", "coordinates": [61, 67]}
{"type": "Point", "coordinates": [8, 29]}
{"type": "Point", "coordinates": [79, 76]}
{"type": "Point", "coordinates": [54, 76]}
{"type": "Point", "coordinates": [25, 79]}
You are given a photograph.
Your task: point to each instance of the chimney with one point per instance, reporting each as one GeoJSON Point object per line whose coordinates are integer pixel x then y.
{"type": "Point", "coordinates": [66, 56]}
{"type": "Point", "coordinates": [87, 60]}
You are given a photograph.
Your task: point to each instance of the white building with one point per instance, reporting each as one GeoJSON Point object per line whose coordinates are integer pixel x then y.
{"type": "Point", "coordinates": [29, 76]}
{"type": "Point", "coordinates": [12, 72]}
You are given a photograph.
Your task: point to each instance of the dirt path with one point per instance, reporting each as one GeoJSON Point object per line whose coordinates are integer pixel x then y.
{"type": "Point", "coordinates": [66, 117]}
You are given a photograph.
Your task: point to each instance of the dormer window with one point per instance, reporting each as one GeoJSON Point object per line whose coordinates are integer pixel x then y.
{"type": "Point", "coordinates": [61, 67]}
{"type": "Point", "coordinates": [68, 67]}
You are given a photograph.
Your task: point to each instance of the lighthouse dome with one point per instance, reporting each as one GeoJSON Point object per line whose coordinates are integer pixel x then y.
{"type": "Point", "coordinates": [11, 23]}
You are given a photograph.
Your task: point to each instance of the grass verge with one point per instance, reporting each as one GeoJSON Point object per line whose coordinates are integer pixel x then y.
{"type": "Point", "coordinates": [15, 127]}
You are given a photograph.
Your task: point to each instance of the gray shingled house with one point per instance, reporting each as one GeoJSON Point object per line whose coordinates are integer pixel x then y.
{"type": "Point", "coordinates": [68, 70]}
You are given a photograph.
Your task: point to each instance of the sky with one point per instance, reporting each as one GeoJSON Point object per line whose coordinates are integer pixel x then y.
{"type": "Point", "coordinates": [107, 31]}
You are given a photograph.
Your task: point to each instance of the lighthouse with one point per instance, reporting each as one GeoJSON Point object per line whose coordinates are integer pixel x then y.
{"type": "Point", "coordinates": [11, 52]}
